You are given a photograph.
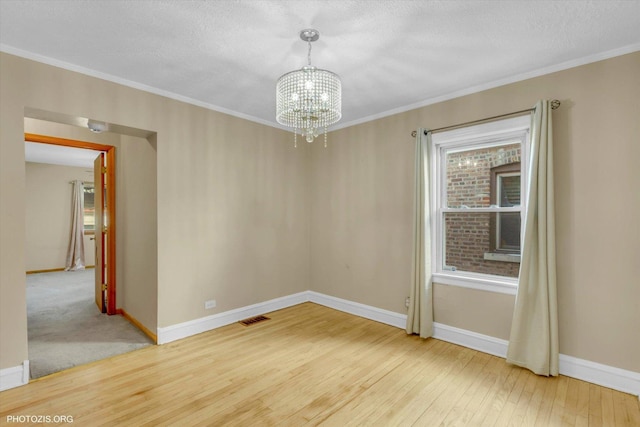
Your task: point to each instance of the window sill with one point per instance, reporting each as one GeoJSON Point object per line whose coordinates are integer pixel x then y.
{"type": "Point", "coordinates": [482, 282]}
{"type": "Point", "coordinates": [502, 257]}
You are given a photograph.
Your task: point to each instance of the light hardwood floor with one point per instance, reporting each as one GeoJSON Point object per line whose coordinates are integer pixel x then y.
{"type": "Point", "coordinates": [311, 365]}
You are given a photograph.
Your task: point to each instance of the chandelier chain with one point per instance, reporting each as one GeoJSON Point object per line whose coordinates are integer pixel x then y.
{"type": "Point", "coordinates": [309, 53]}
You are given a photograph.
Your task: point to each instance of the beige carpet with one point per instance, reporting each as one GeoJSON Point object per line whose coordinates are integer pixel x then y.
{"type": "Point", "coordinates": [66, 329]}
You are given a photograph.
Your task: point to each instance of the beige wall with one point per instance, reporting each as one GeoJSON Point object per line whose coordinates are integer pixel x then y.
{"type": "Point", "coordinates": [232, 204]}
{"type": "Point", "coordinates": [361, 206]}
{"type": "Point", "coordinates": [48, 215]}
{"type": "Point", "coordinates": [243, 218]}
{"type": "Point", "coordinates": [137, 230]}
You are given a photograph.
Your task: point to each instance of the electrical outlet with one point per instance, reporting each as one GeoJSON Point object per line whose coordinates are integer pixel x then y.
{"type": "Point", "coordinates": [406, 302]}
{"type": "Point", "coordinates": [209, 304]}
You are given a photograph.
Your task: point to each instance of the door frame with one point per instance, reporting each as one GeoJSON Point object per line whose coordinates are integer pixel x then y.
{"type": "Point", "coordinates": [111, 202]}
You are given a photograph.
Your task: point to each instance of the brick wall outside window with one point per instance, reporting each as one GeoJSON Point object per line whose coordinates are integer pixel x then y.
{"type": "Point", "coordinates": [468, 234]}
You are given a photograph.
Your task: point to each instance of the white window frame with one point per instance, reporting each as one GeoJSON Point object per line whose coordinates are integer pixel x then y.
{"type": "Point", "coordinates": [498, 236]}
{"type": "Point", "coordinates": [84, 226]}
{"type": "Point", "coordinates": [462, 139]}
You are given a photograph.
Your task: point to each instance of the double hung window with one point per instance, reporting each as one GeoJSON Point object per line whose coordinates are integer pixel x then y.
{"type": "Point", "coordinates": [478, 203]}
{"type": "Point", "coordinates": [89, 209]}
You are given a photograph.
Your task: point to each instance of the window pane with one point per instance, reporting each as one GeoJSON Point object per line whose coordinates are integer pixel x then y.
{"type": "Point", "coordinates": [509, 189]}
{"type": "Point", "coordinates": [468, 239]}
{"type": "Point", "coordinates": [89, 208]}
{"type": "Point", "coordinates": [508, 231]}
{"type": "Point", "coordinates": [469, 175]}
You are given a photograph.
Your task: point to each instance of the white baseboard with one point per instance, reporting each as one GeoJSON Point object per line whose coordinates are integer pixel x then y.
{"type": "Point", "coordinates": [469, 339]}
{"type": "Point", "coordinates": [15, 376]}
{"type": "Point", "coordinates": [581, 369]}
{"type": "Point", "coordinates": [368, 312]}
{"type": "Point", "coordinates": [596, 373]}
{"type": "Point", "coordinates": [193, 327]}
{"type": "Point", "coordinates": [604, 375]}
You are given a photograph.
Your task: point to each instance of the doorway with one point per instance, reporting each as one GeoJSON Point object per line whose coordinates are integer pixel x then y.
{"type": "Point", "coordinates": [65, 328]}
{"type": "Point", "coordinates": [105, 237]}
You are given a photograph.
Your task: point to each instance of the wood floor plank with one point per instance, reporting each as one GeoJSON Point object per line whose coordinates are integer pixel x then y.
{"type": "Point", "coordinates": [558, 405]}
{"type": "Point", "coordinates": [469, 403]}
{"type": "Point", "coordinates": [571, 402]}
{"type": "Point", "coordinates": [633, 408]}
{"type": "Point", "coordinates": [450, 400]}
{"type": "Point", "coordinates": [595, 406]}
{"type": "Point", "coordinates": [504, 417]}
{"type": "Point", "coordinates": [582, 405]}
{"type": "Point", "coordinates": [498, 394]}
{"type": "Point", "coordinates": [606, 402]}
{"type": "Point", "coordinates": [423, 395]}
{"type": "Point", "coordinates": [313, 366]}
{"type": "Point", "coordinates": [525, 402]}
{"type": "Point", "coordinates": [544, 411]}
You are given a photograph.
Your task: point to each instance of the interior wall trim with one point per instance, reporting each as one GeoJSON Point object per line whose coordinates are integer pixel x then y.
{"type": "Point", "coordinates": [607, 376]}
{"type": "Point", "coordinates": [581, 369]}
{"type": "Point", "coordinates": [196, 326]}
{"type": "Point", "coordinates": [604, 375]}
{"type": "Point", "coordinates": [138, 324]}
{"type": "Point", "coordinates": [15, 376]}
{"type": "Point", "coordinates": [484, 343]}
{"type": "Point", "coordinates": [368, 312]}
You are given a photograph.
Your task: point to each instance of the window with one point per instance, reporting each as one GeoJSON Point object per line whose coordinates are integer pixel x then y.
{"type": "Point", "coordinates": [478, 190]}
{"type": "Point", "coordinates": [505, 192]}
{"type": "Point", "coordinates": [89, 209]}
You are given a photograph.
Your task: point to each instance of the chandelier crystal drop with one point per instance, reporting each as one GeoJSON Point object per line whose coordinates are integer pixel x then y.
{"type": "Point", "coordinates": [309, 100]}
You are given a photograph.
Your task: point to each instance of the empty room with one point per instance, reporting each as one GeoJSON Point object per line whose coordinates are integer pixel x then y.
{"type": "Point", "coordinates": [376, 213]}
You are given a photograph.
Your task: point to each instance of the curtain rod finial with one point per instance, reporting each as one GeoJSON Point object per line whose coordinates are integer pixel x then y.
{"type": "Point", "coordinates": [555, 104]}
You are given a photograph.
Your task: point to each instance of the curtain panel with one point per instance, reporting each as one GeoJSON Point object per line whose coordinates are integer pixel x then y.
{"type": "Point", "coordinates": [533, 342]}
{"type": "Point", "coordinates": [75, 253]}
{"type": "Point", "coordinates": [420, 315]}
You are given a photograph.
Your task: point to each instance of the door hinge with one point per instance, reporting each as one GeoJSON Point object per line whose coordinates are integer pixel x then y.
{"type": "Point", "coordinates": [104, 228]}
{"type": "Point", "coordinates": [104, 169]}
{"type": "Point", "coordinates": [104, 286]}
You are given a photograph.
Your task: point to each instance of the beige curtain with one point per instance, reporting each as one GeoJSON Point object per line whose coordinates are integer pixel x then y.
{"type": "Point", "coordinates": [420, 316]}
{"type": "Point", "coordinates": [75, 253]}
{"type": "Point", "coordinates": [533, 343]}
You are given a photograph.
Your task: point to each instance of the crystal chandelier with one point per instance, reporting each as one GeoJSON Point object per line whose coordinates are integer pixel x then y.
{"type": "Point", "coordinates": [310, 99]}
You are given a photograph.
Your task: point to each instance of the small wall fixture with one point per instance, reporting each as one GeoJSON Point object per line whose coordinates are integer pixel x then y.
{"type": "Point", "coordinates": [97, 127]}
{"type": "Point", "coordinates": [309, 99]}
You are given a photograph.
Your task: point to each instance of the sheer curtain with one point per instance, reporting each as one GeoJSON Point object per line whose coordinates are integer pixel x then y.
{"type": "Point", "coordinates": [75, 253]}
{"type": "Point", "coordinates": [533, 343]}
{"type": "Point", "coordinates": [420, 316]}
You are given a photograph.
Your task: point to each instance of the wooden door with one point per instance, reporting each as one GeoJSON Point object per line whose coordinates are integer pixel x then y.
{"type": "Point", "coordinates": [107, 240]}
{"type": "Point", "coordinates": [100, 232]}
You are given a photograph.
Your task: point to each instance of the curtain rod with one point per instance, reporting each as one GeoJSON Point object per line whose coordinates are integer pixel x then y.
{"type": "Point", "coordinates": [555, 104]}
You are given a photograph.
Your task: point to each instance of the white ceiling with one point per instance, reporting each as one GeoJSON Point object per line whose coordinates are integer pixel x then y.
{"type": "Point", "coordinates": [59, 155]}
{"type": "Point", "coordinates": [392, 55]}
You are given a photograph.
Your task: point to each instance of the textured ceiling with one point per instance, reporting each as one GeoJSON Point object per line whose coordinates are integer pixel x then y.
{"type": "Point", "coordinates": [59, 155]}
{"type": "Point", "coordinates": [391, 55]}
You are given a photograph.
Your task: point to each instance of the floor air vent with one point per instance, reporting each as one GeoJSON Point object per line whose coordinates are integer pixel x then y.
{"type": "Point", "coordinates": [253, 320]}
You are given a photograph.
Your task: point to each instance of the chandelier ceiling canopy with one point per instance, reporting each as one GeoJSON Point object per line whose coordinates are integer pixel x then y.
{"type": "Point", "coordinates": [309, 100]}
